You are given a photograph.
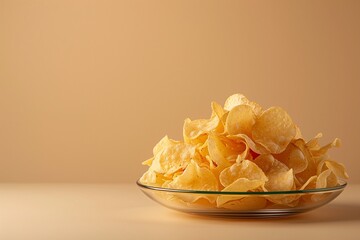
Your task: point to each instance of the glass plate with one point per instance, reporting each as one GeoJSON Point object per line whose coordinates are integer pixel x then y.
{"type": "Point", "coordinates": [242, 204]}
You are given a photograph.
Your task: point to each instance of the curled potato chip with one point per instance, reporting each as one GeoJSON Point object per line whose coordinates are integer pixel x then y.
{"type": "Point", "coordinates": [236, 149]}
{"type": "Point", "coordinates": [323, 150]}
{"type": "Point", "coordinates": [244, 169]}
{"type": "Point", "coordinates": [239, 99]}
{"type": "Point", "coordinates": [298, 132]}
{"type": "Point", "coordinates": [311, 169]}
{"type": "Point", "coordinates": [314, 143]}
{"type": "Point", "coordinates": [326, 179]}
{"type": "Point", "coordinates": [224, 151]}
{"type": "Point", "coordinates": [218, 151]}
{"type": "Point", "coordinates": [219, 112]}
{"type": "Point", "coordinates": [148, 162]}
{"type": "Point", "coordinates": [337, 168]}
{"type": "Point", "coordinates": [244, 155]}
{"type": "Point", "coordinates": [274, 129]}
{"type": "Point", "coordinates": [293, 158]}
{"type": "Point", "coordinates": [251, 144]}
{"type": "Point", "coordinates": [240, 120]}
{"type": "Point", "coordinates": [280, 178]}
{"type": "Point", "coordinates": [310, 183]}
{"type": "Point", "coordinates": [195, 131]}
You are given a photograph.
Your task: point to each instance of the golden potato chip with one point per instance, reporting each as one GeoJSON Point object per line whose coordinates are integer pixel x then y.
{"type": "Point", "coordinates": [280, 178]}
{"type": "Point", "coordinates": [314, 143]}
{"type": "Point", "coordinates": [274, 129]}
{"type": "Point", "coordinates": [298, 132]}
{"type": "Point", "coordinates": [244, 169]}
{"type": "Point", "coordinates": [235, 148]}
{"type": "Point", "coordinates": [239, 99]}
{"type": "Point", "coordinates": [326, 179]}
{"type": "Point", "coordinates": [148, 162]}
{"type": "Point", "coordinates": [239, 185]}
{"type": "Point", "coordinates": [337, 168]}
{"type": "Point", "coordinates": [293, 158]}
{"type": "Point", "coordinates": [240, 120]}
{"type": "Point", "coordinates": [323, 150]}
{"type": "Point", "coordinates": [164, 142]}
{"type": "Point", "coordinates": [311, 169]}
{"type": "Point", "coordinates": [257, 148]}
{"type": "Point", "coordinates": [219, 152]}
{"type": "Point", "coordinates": [195, 131]}
{"type": "Point", "coordinates": [244, 155]}
{"type": "Point", "coordinates": [220, 112]}
{"type": "Point", "coordinates": [198, 128]}
{"type": "Point", "coordinates": [196, 178]}
{"type": "Point", "coordinates": [172, 156]}
{"type": "Point", "coordinates": [152, 178]}
{"type": "Point", "coordinates": [310, 183]}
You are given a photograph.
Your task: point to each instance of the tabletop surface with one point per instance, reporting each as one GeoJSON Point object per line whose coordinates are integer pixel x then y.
{"type": "Point", "coordinates": [122, 211]}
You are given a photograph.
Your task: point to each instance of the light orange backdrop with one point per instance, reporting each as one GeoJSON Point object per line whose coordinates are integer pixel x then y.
{"type": "Point", "coordinates": [87, 88]}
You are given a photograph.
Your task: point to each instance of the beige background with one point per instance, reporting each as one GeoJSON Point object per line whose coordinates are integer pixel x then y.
{"type": "Point", "coordinates": [88, 87]}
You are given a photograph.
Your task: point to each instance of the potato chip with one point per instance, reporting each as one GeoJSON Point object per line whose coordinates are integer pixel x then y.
{"type": "Point", "coordinates": [164, 142]}
{"type": "Point", "coordinates": [148, 162]}
{"type": "Point", "coordinates": [274, 129]}
{"type": "Point", "coordinates": [298, 132]}
{"type": "Point", "coordinates": [218, 151]}
{"type": "Point", "coordinates": [311, 169]}
{"type": "Point", "coordinates": [244, 155]}
{"type": "Point", "coordinates": [223, 151]}
{"type": "Point", "coordinates": [326, 179]}
{"type": "Point", "coordinates": [323, 150]}
{"type": "Point", "coordinates": [152, 178]}
{"type": "Point", "coordinates": [195, 131]}
{"type": "Point", "coordinates": [310, 183]}
{"type": "Point", "coordinates": [172, 156]}
{"type": "Point", "coordinates": [293, 158]}
{"type": "Point", "coordinates": [337, 168]}
{"type": "Point", "coordinates": [240, 120]}
{"type": "Point", "coordinates": [314, 143]}
{"type": "Point", "coordinates": [280, 178]}
{"type": "Point", "coordinates": [196, 178]}
{"type": "Point", "coordinates": [244, 169]}
{"type": "Point", "coordinates": [251, 144]}
{"type": "Point", "coordinates": [239, 185]}
{"type": "Point", "coordinates": [239, 99]}
{"type": "Point", "coordinates": [220, 112]}
{"type": "Point", "coordinates": [236, 149]}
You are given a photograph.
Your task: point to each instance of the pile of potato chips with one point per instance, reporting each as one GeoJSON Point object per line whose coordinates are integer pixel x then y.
{"type": "Point", "coordinates": [243, 148]}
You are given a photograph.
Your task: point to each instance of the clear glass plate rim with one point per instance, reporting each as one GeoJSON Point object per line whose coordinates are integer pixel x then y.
{"type": "Point", "coordinates": [342, 185]}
